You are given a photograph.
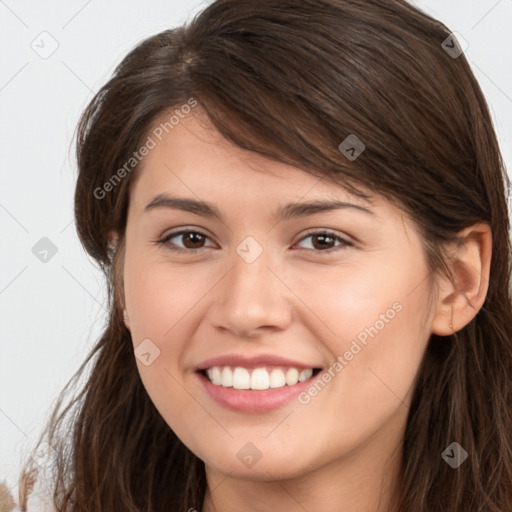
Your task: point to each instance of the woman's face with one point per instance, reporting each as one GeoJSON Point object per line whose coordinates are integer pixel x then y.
{"type": "Point", "coordinates": [263, 279]}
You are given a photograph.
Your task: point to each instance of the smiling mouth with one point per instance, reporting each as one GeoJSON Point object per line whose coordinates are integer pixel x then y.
{"type": "Point", "coordinates": [259, 378]}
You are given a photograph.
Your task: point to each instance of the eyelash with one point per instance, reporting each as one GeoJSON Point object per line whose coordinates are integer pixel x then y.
{"type": "Point", "coordinates": [165, 240]}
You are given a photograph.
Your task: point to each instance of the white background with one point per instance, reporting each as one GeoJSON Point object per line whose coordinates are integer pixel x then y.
{"type": "Point", "coordinates": [52, 313]}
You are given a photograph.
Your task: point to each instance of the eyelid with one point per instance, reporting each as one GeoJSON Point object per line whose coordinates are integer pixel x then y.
{"type": "Point", "coordinates": [164, 240]}
{"type": "Point", "coordinates": [326, 231]}
{"type": "Point", "coordinates": [345, 240]}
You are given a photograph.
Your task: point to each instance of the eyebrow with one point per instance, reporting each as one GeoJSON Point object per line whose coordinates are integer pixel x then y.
{"type": "Point", "coordinates": [288, 211]}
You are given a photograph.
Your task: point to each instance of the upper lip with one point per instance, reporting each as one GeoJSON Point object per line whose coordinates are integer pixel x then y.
{"type": "Point", "coordinates": [253, 362]}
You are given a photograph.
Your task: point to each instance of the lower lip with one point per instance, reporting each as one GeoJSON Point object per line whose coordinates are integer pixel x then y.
{"type": "Point", "coordinates": [253, 401]}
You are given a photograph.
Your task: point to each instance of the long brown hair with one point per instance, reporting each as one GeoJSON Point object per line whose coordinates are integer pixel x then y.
{"type": "Point", "coordinates": [291, 79]}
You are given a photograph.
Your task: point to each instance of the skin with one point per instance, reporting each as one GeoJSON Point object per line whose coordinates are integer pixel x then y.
{"type": "Point", "coordinates": [341, 450]}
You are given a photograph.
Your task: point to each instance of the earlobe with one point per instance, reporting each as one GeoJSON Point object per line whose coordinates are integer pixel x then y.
{"type": "Point", "coordinates": [459, 302]}
{"type": "Point", "coordinates": [126, 319]}
{"type": "Point", "coordinates": [112, 239]}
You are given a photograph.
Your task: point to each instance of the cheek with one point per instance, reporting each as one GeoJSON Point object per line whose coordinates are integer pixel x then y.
{"type": "Point", "coordinates": [161, 301]}
{"type": "Point", "coordinates": [158, 296]}
{"type": "Point", "coordinates": [376, 319]}
{"type": "Point", "coordinates": [382, 304]}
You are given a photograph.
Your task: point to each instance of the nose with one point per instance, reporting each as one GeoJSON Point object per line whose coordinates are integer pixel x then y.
{"type": "Point", "coordinates": [252, 297]}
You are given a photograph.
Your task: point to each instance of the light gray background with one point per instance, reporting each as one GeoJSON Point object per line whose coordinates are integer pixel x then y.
{"type": "Point", "coordinates": [51, 313]}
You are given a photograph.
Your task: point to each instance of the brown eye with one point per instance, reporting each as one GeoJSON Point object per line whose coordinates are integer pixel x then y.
{"type": "Point", "coordinates": [323, 241]}
{"type": "Point", "coordinates": [191, 240]}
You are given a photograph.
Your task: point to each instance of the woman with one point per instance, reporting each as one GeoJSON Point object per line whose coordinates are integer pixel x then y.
{"type": "Point", "coordinates": [301, 211]}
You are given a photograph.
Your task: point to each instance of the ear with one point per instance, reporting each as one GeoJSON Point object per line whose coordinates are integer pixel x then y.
{"type": "Point", "coordinates": [470, 262]}
{"type": "Point", "coordinates": [126, 319]}
{"type": "Point", "coordinates": [112, 239]}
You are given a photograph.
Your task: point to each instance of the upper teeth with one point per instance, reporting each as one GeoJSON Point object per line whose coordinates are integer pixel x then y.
{"type": "Point", "coordinates": [260, 378]}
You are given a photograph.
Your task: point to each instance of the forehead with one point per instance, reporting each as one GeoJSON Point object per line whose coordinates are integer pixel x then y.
{"type": "Point", "coordinates": [192, 156]}
{"type": "Point", "coordinates": [194, 163]}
